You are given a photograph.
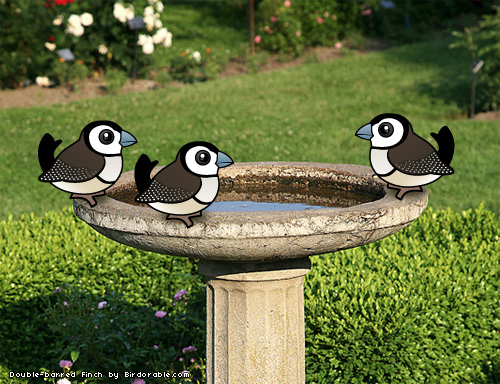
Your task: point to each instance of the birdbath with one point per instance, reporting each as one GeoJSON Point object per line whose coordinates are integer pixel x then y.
{"type": "Point", "coordinates": [253, 246]}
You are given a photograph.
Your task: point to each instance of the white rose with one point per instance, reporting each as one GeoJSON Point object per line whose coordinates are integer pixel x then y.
{"type": "Point", "coordinates": [74, 21]}
{"type": "Point", "coordinates": [42, 81]}
{"type": "Point", "coordinates": [86, 19]}
{"type": "Point", "coordinates": [159, 6]}
{"type": "Point", "coordinates": [168, 40]}
{"type": "Point", "coordinates": [129, 12]}
{"type": "Point", "coordinates": [160, 35]}
{"type": "Point", "coordinates": [143, 39]}
{"type": "Point", "coordinates": [152, 2]}
{"type": "Point", "coordinates": [58, 20]}
{"type": "Point", "coordinates": [197, 56]}
{"type": "Point", "coordinates": [103, 49]}
{"type": "Point", "coordinates": [76, 30]}
{"type": "Point", "coordinates": [150, 22]}
{"type": "Point", "coordinates": [158, 24]}
{"type": "Point", "coordinates": [119, 12]}
{"type": "Point", "coordinates": [50, 46]}
{"type": "Point", "coordinates": [149, 11]}
{"type": "Point", "coordinates": [148, 48]}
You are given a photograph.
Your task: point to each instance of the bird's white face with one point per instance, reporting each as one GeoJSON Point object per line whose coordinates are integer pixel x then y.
{"type": "Point", "coordinates": [387, 133]}
{"type": "Point", "coordinates": [202, 161]}
{"type": "Point", "coordinates": [105, 140]}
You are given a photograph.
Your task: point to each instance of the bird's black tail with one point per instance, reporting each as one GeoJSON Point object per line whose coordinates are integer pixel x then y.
{"type": "Point", "coordinates": [446, 144]}
{"type": "Point", "coordinates": [46, 150]}
{"type": "Point", "coordinates": [142, 172]}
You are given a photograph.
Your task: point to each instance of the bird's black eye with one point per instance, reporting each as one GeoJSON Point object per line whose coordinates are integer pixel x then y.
{"type": "Point", "coordinates": [106, 136]}
{"type": "Point", "coordinates": [202, 157]}
{"type": "Point", "coordinates": [385, 129]}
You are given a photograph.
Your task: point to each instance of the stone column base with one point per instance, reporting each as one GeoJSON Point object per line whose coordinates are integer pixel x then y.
{"type": "Point", "coordinates": [255, 321]}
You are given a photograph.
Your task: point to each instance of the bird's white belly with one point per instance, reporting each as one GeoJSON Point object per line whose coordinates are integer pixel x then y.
{"type": "Point", "coordinates": [209, 189]}
{"type": "Point", "coordinates": [112, 168]}
{"type": "Point", "coordinates": [185, 208]}
{"type": "Point", "coordinates": [404, 180]}
{"type": "Point", "coordinates": [87, 187]}
{"type": "Point", "coordinates": [380, 161]}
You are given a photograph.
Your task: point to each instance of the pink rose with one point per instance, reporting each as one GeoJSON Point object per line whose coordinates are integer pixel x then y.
{"type": "Point", "coordinates": [65, 364]}
{"type": "Point", "coordinates": [179, 295]}
{"type": "Point", "coordinates": [273, 19]}
{"type": "Point", "coordinates": [319, 20]}
{"type": "Point", "coordinates": [138, 381]}
{"type": "Point", "coordinates": [287, 3]}
{"type": "Point", "coordinates": [338, 45]}
{"type": "Point", "coordinates": [257, 39]}
{"type": "Point", "coordinates": [160, 314]}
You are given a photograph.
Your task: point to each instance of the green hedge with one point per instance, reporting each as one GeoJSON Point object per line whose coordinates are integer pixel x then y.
{"type": "Point", "coordinates": [40, 254]}
{"type": "Point", "coordinates": [420, 306]}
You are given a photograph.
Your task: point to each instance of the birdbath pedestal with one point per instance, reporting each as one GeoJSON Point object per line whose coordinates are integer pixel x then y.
{"type": "Point", "coordinates": [254, 261]}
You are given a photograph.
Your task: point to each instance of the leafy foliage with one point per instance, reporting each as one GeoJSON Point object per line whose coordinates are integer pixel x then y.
{"type": "Point", "coordinates": [483, 42]}
{"type": "Point", "coordinates": [289, 26]}
{"type": "Point", "coordinates": [96, 31]}
{"type": "Point", "coordinates": [41, 254]}
{"type": "Point", "coordinates": [419, 306]}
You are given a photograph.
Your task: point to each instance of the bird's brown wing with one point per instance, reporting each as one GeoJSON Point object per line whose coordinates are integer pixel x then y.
{"type": "Point", "coordinates": [171, 185]}
{"type": "Point", "coordinates": [75, 164]}
{"type": "Point", "coordinates": [415, 156]}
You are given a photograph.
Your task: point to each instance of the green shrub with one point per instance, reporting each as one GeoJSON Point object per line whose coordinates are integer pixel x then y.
{"type": "Point", "coordinates": [78, 73]}
{"type": "Point", "coordinates": [193, 66]}
{"type": "Point", "coordinates": [289, 26]}
{"type": "Point", "coordinates": [420, 306]}
{"type": "Point", "coordinates": [108, 334]}
{"type": "Point", "coordinates": [162, 77]}
{"type": "Point", "coordinates": [22, 35]}
{"type": "Point", "coordinates": [115, 80]}
{"type": "Point", "coordinates": [96, 31]}
{"type": "Point", "coordinates": [483, 42]}
{"type": "Point", "coordinates": [41, 254]}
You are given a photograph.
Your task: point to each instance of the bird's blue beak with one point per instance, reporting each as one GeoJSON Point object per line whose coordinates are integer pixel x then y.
{"type": "Point", "coordinates": [127, 139]}
{"type": "Point", "coordinates": [223, 160]}
{"type": "Point", "coordinates": [365, 132]}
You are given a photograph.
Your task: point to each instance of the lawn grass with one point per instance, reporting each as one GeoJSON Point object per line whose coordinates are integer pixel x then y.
{"type": "Point", "coordinates": [305, 113]}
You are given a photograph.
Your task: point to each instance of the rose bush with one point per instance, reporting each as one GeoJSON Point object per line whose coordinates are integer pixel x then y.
{"type": "Point", "coordinates": [96, 31]}
{"type": "Point", "coordinates": [290, 25]}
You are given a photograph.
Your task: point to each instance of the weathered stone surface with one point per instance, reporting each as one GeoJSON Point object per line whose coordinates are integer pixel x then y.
{"type": "Point", "coordinates": [255, 321]}
{"type": "Point", "coordinates": [258, 236]}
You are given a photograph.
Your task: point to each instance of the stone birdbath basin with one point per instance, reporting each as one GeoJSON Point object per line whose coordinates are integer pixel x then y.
{"type": "Point", "coordinates": [253, 246]}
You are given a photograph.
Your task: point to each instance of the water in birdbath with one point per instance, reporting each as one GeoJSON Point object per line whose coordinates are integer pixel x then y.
{"type": "Point", "coordinates": [253, 197]}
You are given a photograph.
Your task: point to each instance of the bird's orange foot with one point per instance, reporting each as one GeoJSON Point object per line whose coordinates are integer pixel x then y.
{"type": "Point", "coordinates": [184, 218]}
{"type": "Point", "coordinates": [89, 197]}
{"type": "Point", "coordinates": [403, 190]}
